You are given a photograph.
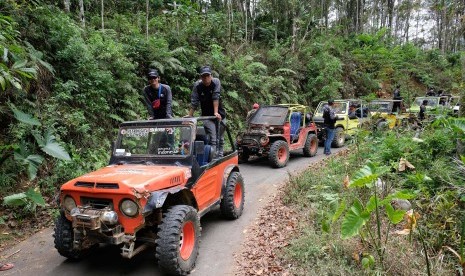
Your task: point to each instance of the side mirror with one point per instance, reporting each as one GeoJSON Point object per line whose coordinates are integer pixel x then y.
{"type": "Point", "coordinates": [199, 147]}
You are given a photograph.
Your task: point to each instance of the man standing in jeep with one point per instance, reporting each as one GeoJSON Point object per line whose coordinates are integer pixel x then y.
{"type": "Point", "coordinates": [206, 93]}
{"type": "Point", "coordinates": [157, 97]}
{"type": "Point", "coordinates": [330, 118]}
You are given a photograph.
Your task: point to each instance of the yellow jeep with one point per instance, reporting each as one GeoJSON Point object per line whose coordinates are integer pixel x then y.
{"type": "Point", "coordinates": [345, 125]}
{"type": "Point", "coordinates": [388, 113]}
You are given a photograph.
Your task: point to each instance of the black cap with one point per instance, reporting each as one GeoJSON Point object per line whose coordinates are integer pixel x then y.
{"type": "Point", "coordinates": [205, 70]}
{"type": "Point", "coordinates": [330, 102]}
{"type": "Point", "coordinates": [153, 73]}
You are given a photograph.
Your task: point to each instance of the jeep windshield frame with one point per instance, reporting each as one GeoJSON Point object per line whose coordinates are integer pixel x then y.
{"type": "Point", "coordinates": [340, 107]}
{"type": "Point", "coordinates": [166, 141]}
{"type": "Point", "coordinates": [271, 115]}
{"type": "Point", "coordinates": [381, 106]}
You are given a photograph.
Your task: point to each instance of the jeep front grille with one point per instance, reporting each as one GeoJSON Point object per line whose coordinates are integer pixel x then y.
{"type": "Point", "coordinates": [97, 203]}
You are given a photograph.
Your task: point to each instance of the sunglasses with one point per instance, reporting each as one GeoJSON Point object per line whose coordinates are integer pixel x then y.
{"type": "Point", "coordinates": [153, 78]}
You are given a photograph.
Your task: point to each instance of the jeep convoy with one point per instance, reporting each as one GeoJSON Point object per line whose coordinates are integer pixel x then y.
{"type": "Point", "coordinates": [162, 178]}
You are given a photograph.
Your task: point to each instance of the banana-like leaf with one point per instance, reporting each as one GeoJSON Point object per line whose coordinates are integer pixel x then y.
{"type": "Point", "coordinates": [15, 200]}
{"type": "Point", "coordinates": [395, 216]}
{"type": "Point", "coordinates": [354, 220]}
{"type": "Point", "coordinates": [32, 161]}
{"type": "Point", "coordinates": [35, 196]}
{"type": "Point", "coordinates": [23, 117]}
{"type": "Point", "coordinates": [371, 204]}
{"type": "Point", "coordinates": [18, 64]}
{"type": "Point", "coordinates": [53, 148]}
{"type": "Point", "coordinates": [367, 174]}
{"type": "Point", "coordinates": [364, 176]}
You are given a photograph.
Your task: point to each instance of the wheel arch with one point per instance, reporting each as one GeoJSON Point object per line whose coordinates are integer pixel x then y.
{"type": "Point", "coordinates": [169, 197]}
{"type": "Point", "coordinates": [227, 171]}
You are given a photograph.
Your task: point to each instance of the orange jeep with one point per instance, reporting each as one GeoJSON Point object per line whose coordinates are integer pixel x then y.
{"type": "Point", "coordinates": [274, 130]}
{"type": "Point", "coordinates": [162, 178]}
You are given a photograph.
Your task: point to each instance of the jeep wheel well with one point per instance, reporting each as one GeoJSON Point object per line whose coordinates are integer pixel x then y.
{"type": "Point", "coordinates": [184, 197]}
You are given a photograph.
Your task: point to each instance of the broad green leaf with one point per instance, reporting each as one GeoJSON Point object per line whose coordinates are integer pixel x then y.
{"type": "Point", "coordinates": [340, 209]}
{"type": "Point", "coordinates": [353, 221]}
{"type": "Point", "coordinates": [367, 175]}
{"type": "Point", "coordinates": [33, 163]}
{"type": "Point", "coordinates": [35, 196]}
{"type": "Point", "coordinates": [15, 200]}
{"type": "Point", "coordinates": [403, 195]}
{"type": "Point", "coordinates": [19, 64]}
{"type": "Point", "coordinates": [23, 117]}
{"type": "Point", "coordinates": [395, 216]}
{"type": "Point", "coordinates": [39, 139]}
{"type": "Point", "coordinates": [371, 204]}
{"type": "Point", "coordinates": [53, 148]}
{"type": "Point", "coordinates": [363, 177]}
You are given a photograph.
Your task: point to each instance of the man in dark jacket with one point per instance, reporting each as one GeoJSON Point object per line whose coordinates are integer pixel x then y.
{"type": "Point", "coordinates": [206, 94]}
{"type": "Point", "coordinates": [421, 114]}
{"type": "Point", "coordinates": [157, 97]}
{"type": "Point", "coordinates": [397, 97]}
{"type": "Point", "coordinates": [330, 118]}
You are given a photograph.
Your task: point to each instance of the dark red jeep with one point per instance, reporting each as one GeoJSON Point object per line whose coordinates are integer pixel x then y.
{"type": "Point", "coordinates": [272, 131]}
{"type": "Point", "coordinates": [162, 178]}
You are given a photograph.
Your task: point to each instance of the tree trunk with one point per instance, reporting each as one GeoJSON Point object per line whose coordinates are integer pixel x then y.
{"type": "Point", "coordinates": [102, 10]}
{"type": "Point", "coordinates": [81, 13]}
{"type": "Point", "coordinates": [67, 4]}
{"type": "Point", "coordinates": [147, 19]}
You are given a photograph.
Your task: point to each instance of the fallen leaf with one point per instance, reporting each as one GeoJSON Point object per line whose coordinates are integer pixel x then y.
{"type": "Point", "coordinates": [346, 181]}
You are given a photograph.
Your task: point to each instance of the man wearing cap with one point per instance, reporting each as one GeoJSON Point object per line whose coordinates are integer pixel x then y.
{"type": "Point", "coordinates": [206, 94]}
{"type": "Point", "coordinates": [157, 97]}
{"type": "Point", "coordinates": [252, 111]}
{"type": "Point", "coordinates": [330, 118]}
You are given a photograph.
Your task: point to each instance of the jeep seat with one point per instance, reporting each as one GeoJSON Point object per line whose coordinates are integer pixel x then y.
{"type": "Point", "coordinates": [295, 124]}
{"type": "Point", "coordinates": [205, 157]}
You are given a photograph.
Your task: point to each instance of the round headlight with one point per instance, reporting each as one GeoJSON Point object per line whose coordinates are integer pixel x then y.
{"type": "Point", "coordinates": [264, 140]}
{"type": "Point", "coordinates": [69, 203]}
{"type": "Point", "coordinates": [239, 138]}
{"type": "Point", "coordinates": [129, 207]}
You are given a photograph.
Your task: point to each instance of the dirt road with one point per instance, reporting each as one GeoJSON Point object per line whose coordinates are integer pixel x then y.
{"type": "Point", "coordinates": [220, 238]}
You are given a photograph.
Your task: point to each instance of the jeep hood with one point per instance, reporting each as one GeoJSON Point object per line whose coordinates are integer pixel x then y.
{"type": "Point", "coordinates": [139, 177]}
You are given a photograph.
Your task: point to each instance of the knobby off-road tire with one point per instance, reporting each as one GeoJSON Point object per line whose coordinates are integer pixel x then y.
{"type": "Point", "coordinates": [382, 126]}
{"type": "Point", "coordinates": [279, 154]}
{"type": "Point", "coordinates": [63, 238]}
{"type": "Point", "coordinates": [311, 145]}
{"type": "Point", "coordinates": [232, 203]}
{"type": "Point", "coordinates": [177, 244]}
{"type": "Point", "coordinates": [339, 138]}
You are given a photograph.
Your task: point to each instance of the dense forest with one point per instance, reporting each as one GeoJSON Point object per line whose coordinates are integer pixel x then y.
{"type": "Point", "coordinates": [71, 71]}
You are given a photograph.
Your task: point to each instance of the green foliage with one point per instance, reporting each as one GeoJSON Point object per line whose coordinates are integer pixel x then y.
{"type": "Point", "coordinates": [29, 200]}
